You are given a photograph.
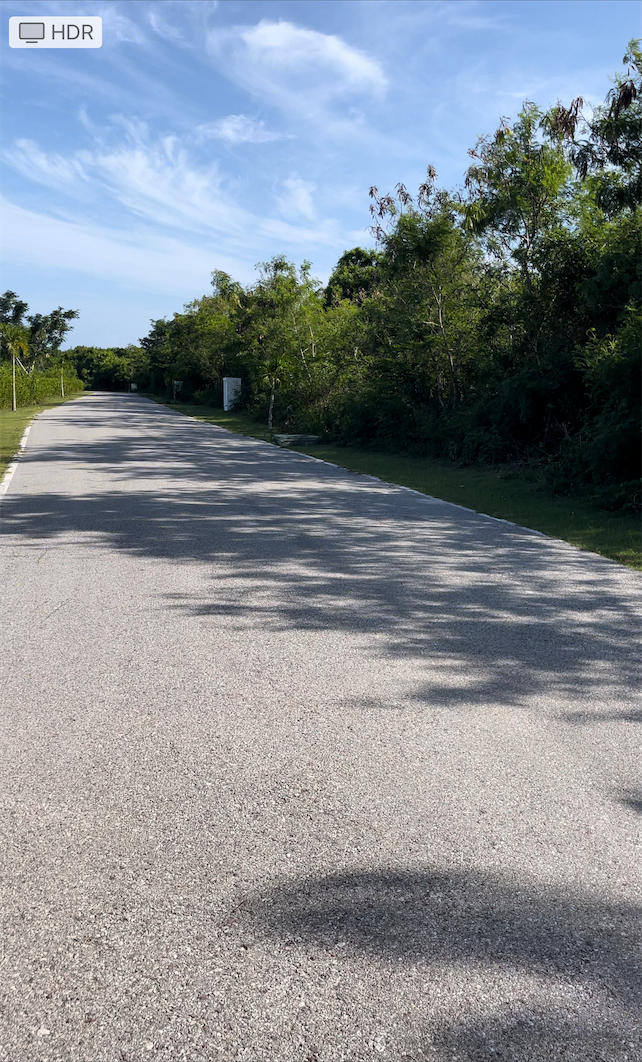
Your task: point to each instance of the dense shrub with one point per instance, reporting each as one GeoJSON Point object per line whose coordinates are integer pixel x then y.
{"type": "Point", "coordinates": [35, 387]}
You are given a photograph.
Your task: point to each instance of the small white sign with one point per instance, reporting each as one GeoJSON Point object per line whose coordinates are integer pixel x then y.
{"type": "Point", "coordinates": [54, 31]}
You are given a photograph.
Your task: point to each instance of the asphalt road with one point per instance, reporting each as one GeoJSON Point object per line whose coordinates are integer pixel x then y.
{"type": "Point", "coordinates": [299, 766]}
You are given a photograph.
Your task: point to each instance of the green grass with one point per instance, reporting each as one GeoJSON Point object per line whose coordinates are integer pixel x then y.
{"type": "Point", "coordinates": [494, 491]}
{"type": "Point", "coordinates": [12, 425]}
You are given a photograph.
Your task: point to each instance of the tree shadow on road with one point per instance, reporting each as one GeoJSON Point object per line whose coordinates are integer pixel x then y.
{"type": "Point", "coordinates": [284, 542]}
{"type": "Point", "coordinates": [529, 1036]}
{"type": "Point", "coordinates": [291, 543]}
{"type": "Point", "coordinates": [581, 946]}
{"type": "Point", "coordinates": [632, 799]}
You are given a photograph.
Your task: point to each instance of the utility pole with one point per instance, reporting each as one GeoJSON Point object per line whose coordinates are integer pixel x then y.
{"type": "Point", "coordinates": [13, 382]}
{"type": "Point", "coordinates": [62, 380]}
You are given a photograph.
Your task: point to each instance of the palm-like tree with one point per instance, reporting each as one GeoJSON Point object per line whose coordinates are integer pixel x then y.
{"type": "Point", "coordinates": [15, 341]}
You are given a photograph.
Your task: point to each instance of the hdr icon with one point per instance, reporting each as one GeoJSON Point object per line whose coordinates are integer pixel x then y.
{"type": "Point", "coordinates": [47, 31]}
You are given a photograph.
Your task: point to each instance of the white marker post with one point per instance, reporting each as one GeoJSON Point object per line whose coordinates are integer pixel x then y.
{"type": "Point", "coordinates": [231, 390]}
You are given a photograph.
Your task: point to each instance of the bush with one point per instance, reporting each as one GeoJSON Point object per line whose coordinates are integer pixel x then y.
{"type": "Point", "coordinates": [622, 497]}
{"type": "Point", "coordinates": [34, 388]}
{"type": "Point", "coordinates": [209, 396]}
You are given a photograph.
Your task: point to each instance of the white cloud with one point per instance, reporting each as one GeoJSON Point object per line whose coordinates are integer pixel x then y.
{"type": "Point", "coordinates": [237, 129]}
{"type": "Point", "coordinates": [162, 27]}
{"type": "Point", "coordinates": [117, 27]}
{"type": "Point", "coordinates": [297, 198]}
{"type": "Point", "coordinates": [157, 180]}
{"type": "Point", "coordinates": [284, 46]}
{"type": "Point", "coordinates": [154, 180]}
{"type": "Point", "coordinates": [55, 171]}
{"type": "Point", "coordinates": [299, 69]}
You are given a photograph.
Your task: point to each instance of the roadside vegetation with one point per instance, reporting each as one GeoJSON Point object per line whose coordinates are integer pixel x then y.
{"type": "Point", "coordinates": [33, 369]}
{"type": "Point", "coordinates": [494, 324]}
{"type": "Point", "coordinates": [34, 374]}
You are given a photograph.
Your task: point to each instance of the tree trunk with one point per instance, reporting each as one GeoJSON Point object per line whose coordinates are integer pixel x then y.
{"type": "Point", "coordinates": [62, 382]}
{"type": "Point", "coordinates": [13, 383]}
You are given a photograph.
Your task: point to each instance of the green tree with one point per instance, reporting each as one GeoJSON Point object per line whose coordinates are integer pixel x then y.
{"type": "Point", "coordinates": [421, 314]}
{"type": "Point", "coordinates": [108, 368]}
{"type": "Point", "coordinates": [611, 145]}
{"type": "Point", "coordinates": [15, 342]}
{"type": "Point", "coordinates": [517, 188]}
{"type": "Point", "coordinates": [354, 277]}
{"type": "Point", "coordinates": [12, 309]}
{"type": "Point", "coordinates": [282, 318]}
{"type": "Point", "coordinates": [47, 333]}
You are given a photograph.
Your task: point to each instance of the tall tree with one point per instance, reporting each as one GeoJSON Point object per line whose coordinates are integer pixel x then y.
{"type": "Point", "coordinates": [12, 309]}
{"type": "Point", "coordinates": [517, 187]}
{"type": "Point", "coordinates": [608, 144]}
{"type": "Point", "coordinates": [15, 342]}
{"type": "Point", "coordinates": [424, 305]}
{"type": "Point", "coordinates": [46, 334]}
{"type": "Point", "coordinates": [282, 315]}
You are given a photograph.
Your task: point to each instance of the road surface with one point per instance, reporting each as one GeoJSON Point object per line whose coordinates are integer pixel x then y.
{"type": "Point", "coordinates": [303, 767]}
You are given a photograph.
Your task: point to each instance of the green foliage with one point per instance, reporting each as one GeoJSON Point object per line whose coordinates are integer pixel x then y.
{"type": "Point", "coordinates": [44, 332]}
{"type": "Point", "coordinates": [517, 187]}
{"type": "Point", "coordinates": [605, 453]}
{"type": "Point", "coordinates": [14, 341]}
{"type": "Point", "coordinates": [35, 387]}
{"type": "Point", "coordinates": [47, 332]}
{"type": "Point", "coordinates": [199, 346]}
{"type": "Point", "coordinates": [354, 277]}
{"type": "Point", "coordinates": [499, 324]}
{"type": "Point", "coordinates": [612, 142]}
{"type": "Point", "coordinates": [12, 309]}
{"type": "Point", "coordinates": [108, 369]}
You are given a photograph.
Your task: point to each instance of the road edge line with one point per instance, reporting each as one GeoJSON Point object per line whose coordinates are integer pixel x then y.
{"type": "Point", "coordinates": [11, 468]}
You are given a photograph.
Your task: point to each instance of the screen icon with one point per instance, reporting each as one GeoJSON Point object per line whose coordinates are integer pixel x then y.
{"type": "Point", "coordinates": [31, 32]}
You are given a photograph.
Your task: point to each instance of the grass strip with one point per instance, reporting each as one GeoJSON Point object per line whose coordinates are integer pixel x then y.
{"type": "Point", "coordinates": [12, 426]}
{"type": "Point", "coordinates": [495, 491]}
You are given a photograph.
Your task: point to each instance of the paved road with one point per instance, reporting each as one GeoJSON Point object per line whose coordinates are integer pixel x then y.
{"type": "Point", "coordinates": [301, 767]}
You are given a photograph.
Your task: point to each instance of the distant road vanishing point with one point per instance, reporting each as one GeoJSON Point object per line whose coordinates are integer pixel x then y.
{"type": "Point", "coordinates": [300, 766]}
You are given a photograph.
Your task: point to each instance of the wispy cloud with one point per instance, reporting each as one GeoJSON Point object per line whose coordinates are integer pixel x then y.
{"type": "Point", "coordinates": [157, 179]}
{"type": "Point", "coordinates": [297, 198]}
{"type": "Point", "coordinates": [162, 27]}
{"type": "Point", "coordinates": [152, 177]}
{"type": "Point", "coordinates": [52, 170]}
{"type": "Point", "coordinates": [237, 129]}
{"type": "Point", "coordinates": [118, 27]}
{"type": "Point", "coordinates": [301, 70]}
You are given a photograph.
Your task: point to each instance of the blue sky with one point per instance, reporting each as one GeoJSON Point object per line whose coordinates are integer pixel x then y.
{"type": "Point", "coordinates": [208, 135]}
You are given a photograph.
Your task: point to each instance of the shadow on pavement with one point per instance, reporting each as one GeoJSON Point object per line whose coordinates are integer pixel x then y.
{"type": "Point", "coordinates": [633, 715]}
{"type": "Point", "coordinates": [582, 946]}
{"type": "Point", "coordinates": [632, 799]}
{"type": "Point", "coordinates": [291, 543]}
{"type": "Point", "coordinates": [526, 1037]}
